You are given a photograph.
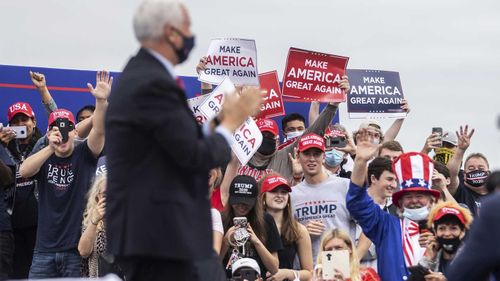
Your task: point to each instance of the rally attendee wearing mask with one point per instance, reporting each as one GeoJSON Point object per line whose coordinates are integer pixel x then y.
{"type": "Point", "coordinates": [275, 197]}
{"type": "Point", "coordinates": [293, 126]}
{"type": "Point", "coordinates": [338, 145]}
{"type": "Point", "coordinates": [472, 189]}
{"type": "Point", "coordinates": [262, 242]}
{"type": "Point", "coordinates": [319, 201]}
{"type": "Point", "coordinates": [449, 223]}
{"type": "Point", "coordinates": [396, 238]}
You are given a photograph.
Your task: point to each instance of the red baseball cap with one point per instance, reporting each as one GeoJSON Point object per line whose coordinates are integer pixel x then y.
{"type": "Point", "coordinates": [61, 113]}
{"type": "Point", "coordinates": [272, 182]}
{"type": "Point", "coordinates": [332, 133]}
{"type": "Point", "coordinates": [311, 141]}
{"type": "Point", "coordinates": [20, 107]}
{"type": "Point", "coordinates": [448, 210]}
{"type": "Point", "coordinates": [268, 125]}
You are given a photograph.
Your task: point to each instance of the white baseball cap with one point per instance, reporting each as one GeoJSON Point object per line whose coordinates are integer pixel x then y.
{"type": "Point", "coordinates": [245, 262]}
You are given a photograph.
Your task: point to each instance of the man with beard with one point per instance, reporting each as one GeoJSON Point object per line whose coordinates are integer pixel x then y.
{"type": "Point", "coordinates": [396, 238]}
{"type": "Point", "coordinates": [471, 190]}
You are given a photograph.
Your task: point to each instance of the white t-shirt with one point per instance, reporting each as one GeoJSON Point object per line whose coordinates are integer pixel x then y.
{"type": "Point", "coordinates": [325, 201]}
{"type": "Point", "coordinates": [217, 221]}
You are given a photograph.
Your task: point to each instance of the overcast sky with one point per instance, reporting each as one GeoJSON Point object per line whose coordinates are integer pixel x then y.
{"type": "Point", "coordinates": [447, 51]}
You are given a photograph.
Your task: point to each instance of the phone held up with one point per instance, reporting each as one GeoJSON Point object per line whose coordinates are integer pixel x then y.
{"type": "Point", "coordinates": [439, 131]}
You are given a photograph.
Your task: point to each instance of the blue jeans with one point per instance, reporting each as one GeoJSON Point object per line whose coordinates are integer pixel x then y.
{"type": "Point", "coordinates": [53, 265]}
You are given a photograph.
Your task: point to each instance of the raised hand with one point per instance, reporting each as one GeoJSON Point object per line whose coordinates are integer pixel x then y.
{"type": "Point", "coordinates": [315, 228]}
{"type": "Point", "coordinates": [405, 106]}
{"type": "Point", "coordinates": [7, 135]}
{"type": "Point", "coordinates": [350, 147]}
{"type": "Point", "coordinates": [433, 141]}
{"type": "Point", "coordinates": [296, 167]}
{"type": "Point", "coordinates": [55, 137]}
{"type": "Point", "coordinates": [464, 137]}
{"type": "Point", "coordinates": [202, 65]}
{"type": "Point", "coordinates": [38, 79]}
{"type": "Point", "coordinates": [366, 148]}
{"type": "Point", "coordinates": [102, 85]}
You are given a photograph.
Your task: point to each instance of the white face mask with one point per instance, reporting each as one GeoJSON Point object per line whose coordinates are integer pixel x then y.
{"type": "Point", "coordinates": [294, 134]}
{"type": "Point", "coordinates": [419, 214]}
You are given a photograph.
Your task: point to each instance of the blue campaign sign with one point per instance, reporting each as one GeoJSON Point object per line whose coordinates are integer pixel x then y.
{"type": "Point", "coordinates": [374, 94]}
{"type": "Point", "coordinates": [68, 87]}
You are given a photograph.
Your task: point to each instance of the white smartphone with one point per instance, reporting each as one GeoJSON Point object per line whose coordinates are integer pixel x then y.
{"type": "Point", "coordinates": [338, 260]}
{"type": "Point", "coordinates": [21, 132]}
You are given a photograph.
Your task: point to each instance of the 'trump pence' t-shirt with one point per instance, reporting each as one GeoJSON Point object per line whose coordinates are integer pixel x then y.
{"type": "Point", "coordinates": [63, 184]}
{"type": "Point", "coordinates": [325, 202]}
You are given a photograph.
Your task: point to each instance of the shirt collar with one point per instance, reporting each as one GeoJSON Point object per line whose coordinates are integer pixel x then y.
{"type": "Point", "coordinates": [166, 63]}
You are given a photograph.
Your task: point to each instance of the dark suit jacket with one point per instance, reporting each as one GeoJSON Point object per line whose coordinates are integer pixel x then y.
{"type": "Point", "coordinates": [158, 163]}
{"type": "Point", "coordinates": [481, 254]}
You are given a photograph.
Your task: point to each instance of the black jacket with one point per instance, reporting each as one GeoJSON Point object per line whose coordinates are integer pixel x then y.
{"type": "Point", "coordinates": [158, 163]}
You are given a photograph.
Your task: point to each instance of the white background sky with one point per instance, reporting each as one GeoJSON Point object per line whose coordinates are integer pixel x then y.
{"type": "Point", "coordinates": [447, 51]}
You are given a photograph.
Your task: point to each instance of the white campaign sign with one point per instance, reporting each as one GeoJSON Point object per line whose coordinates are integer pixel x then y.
{"type": "Point", "coordinates": [234, 58]}
{"type": "Point", "coordinates": [246, 141]}
{"type": "Point", "coordinates": [212, 105]}
{"type": "Point", "coordinates": [194, 104]}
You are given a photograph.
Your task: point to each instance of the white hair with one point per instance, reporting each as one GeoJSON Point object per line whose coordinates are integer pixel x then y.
{"type": "Point", "coordinates": [152, 16]}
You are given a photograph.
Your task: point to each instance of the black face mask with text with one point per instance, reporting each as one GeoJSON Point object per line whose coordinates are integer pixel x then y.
{"type": "Point", "coordinates": [268, 146]}
{"type": "Point", "coordinates": [449, 245]}
{"type": "Point", "coordinates": [476, 178]}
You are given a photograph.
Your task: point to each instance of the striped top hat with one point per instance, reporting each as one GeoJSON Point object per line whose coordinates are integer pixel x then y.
{"type": "Point", "coordinates": [414, 172]}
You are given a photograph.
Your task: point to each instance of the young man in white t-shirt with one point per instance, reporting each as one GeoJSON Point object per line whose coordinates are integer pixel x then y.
{"type": "Point", "coordinates": [319, 201]}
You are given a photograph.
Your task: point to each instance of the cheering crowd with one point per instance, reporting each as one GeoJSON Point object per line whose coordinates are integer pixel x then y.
{"type": "Point", "coordinates": [124, 189]}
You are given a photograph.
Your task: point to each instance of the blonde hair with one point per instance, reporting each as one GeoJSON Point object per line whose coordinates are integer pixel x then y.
{"type": "Point", "coordinates": [452, 205]}
{"type": "Point", "coordinates": [92, 200]}
{"type": "Point", "coordinates": [353, 257]}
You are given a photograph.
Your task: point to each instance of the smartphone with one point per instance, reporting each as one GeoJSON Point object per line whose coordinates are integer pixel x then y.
{"type": "Point", "coordinates": [423, 228]}
{"type": "Point", "coordinates": [336, 142]}
{"type": "Point", "coordinates": [21, 132]}
{"type": "Point", "coordinates": [439, 131]}
{"type": "Point", "coordinates": [418, 272]}
{"type": "Point", "coordinates": [339, 260]}
{"type": "Point", "coordinates": [65, 126]}
{"type": "Point", "coordinates": [240, 221]}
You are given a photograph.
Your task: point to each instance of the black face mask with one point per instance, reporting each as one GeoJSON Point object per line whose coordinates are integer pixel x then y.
{"type": "Point", "coordinates": [449, 245]}
{"type": "Point", "coordinates": [187, 45]}
{"type": "Point", "coordinates": [267, 147]}
{"type": "Point", "coordinates": [476, 178]}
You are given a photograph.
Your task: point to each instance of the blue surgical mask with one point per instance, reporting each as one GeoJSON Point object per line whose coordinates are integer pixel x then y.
{"type": "Point", "coordinates": [419, 214]}
{"type": "Point", "coordinates": [294, 134]}
{"type": "Point", "coordinates": [333, 158]}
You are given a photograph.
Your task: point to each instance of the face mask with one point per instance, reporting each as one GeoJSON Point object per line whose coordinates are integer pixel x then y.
{"type": "Point", "coordinates": [292, 135]}
{"type": "Point", "coordinates": [187, 45]}
{"type": "Point", "coordinates": [443, 154]}
{"type": "Point", "coordinates": [476, 178]}
{"type": "Point", "coordinates": [267, 147]}
{"type": "Point", "coordinates": [333, 158]}
{"type": "Point", "coordinates": [450, 245]}
{"type": "Point", "coordinates": [419, 214]}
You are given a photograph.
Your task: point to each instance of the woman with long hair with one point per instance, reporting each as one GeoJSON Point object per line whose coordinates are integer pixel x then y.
{"type": "Point", "coordinates": [254, 234]}
{"type": "Point", "coordinates": [295, 238]}
{"type": "Point", "coordinates": [93, 240]}
{"type": "Point", "coordinates": [336, 240]}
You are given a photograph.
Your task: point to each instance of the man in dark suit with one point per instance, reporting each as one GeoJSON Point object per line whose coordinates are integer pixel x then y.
{"type": "Point", "coordinates": [158, 213]}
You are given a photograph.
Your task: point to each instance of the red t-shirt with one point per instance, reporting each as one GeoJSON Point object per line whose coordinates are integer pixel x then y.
{"type": "Point", "coordinates": [216, 200]}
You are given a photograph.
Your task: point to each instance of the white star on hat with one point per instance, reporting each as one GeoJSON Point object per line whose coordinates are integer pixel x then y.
{"type": "Point", "coordinates": [408, 183]}
{"type": "Point", "coordinates": [421, 182]}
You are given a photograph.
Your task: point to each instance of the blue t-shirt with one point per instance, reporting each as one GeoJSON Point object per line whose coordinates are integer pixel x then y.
{"type": "Point", "coordinates": [63, 184]}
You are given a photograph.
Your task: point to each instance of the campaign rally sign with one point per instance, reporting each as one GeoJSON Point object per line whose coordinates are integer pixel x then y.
{"type": "Point", "coordinates": [246, 141]}
{"type": "Point", "coordinates": [375, 94]}
{"type": "Point", "coordinates": [312, 76]}
{"type": "Point", "coordinates": [194, 104]}
{"type": "Point", "coordinates": [273, 103]}
{"type": "Point", "coordinates": [234, 58]}
{"type": "Point", "coordinates": [212, 105]}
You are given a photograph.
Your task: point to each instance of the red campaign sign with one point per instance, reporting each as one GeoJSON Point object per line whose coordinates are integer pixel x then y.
{"type": "Point", "coordinates": [273, 104]}
{"type": "Point", "coordinates": [312, 76]}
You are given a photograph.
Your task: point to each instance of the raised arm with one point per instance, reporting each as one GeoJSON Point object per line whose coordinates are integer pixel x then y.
{"type": "Point", "coordinates": [456, 160]}
{"type": "Point", "coordinates": [84, 127]}
{"type": "Point", "coordinates": [231, 171]}
{"type": "Point", "coordinates": [32, 164]}
{"type": "Point", "coordinates": [101, 93]}
{"type": "Point", "coordinates": [393, 131]}
{"type": "Point", "coordinates": [431, 142]}
{"type": "Point", "coordinates": [313, 112]}
{"type": "Point", "coordinates": [40, 83]}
